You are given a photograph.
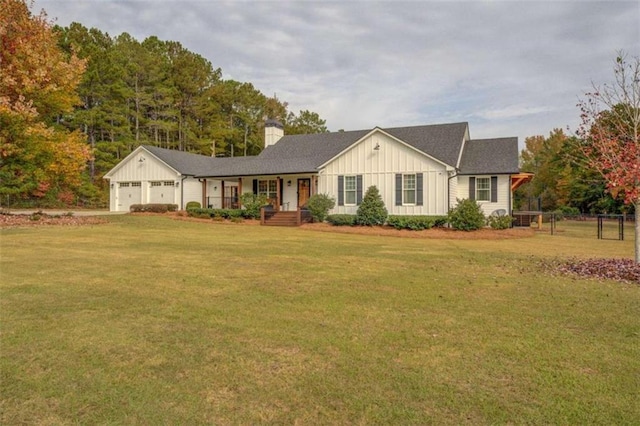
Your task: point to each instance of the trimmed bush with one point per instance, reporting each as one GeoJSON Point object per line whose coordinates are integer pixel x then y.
{"type": "Point", "coordinates": [193, 205]}
{"type": "Point", "coordinates": [372, 210]}
{"type": "Point", "coordinates": [466, 216]}
{"type": "Point", "coordinates": [500, 222]}
{"type": "Point", "coordinates": [319, 206]}
{"type": "Point", "coordinates": [200, 212]}
{"type": "Point", "coordinates": [416, 223]}
{"type": "Point", "coordinates": [342, 219]}
{"type": "Point", "coordinates": [153, 208]}
{"type": "Point", "coordinates": [252, 203]}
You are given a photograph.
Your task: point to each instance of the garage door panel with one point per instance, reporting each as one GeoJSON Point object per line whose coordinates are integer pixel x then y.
{"type": "Point", "coordinates": [129, 193]}
{"type": "Point", "coordinates": [162, 192]}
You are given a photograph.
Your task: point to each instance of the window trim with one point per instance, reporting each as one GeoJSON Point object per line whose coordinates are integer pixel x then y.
{"type": "Point", "coordinates": [405, 189]}
{"type": "Point", "coordinates": [354, 191]}
{"type": "Point", "coordinates": [486, 190]}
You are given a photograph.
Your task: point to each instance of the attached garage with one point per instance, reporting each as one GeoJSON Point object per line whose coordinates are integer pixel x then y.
{"type": "Point", "coordinates": [128, 193]}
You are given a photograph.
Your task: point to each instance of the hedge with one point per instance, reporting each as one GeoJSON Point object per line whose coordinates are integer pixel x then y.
{"type": "Point", "coordinates": [218, 213]}
{"type": "Point", "coordinates": [416, 223]}
{"type": "Point", "coordinates": [342, 219]}
{"type": "Point", "coordinates": [153, 208]}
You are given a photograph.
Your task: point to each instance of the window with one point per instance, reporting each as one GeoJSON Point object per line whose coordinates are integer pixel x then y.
{"type": "Point", "coordinates": [483, 189]}
{"type": "Point", "coordinates": [169, 183]}
{"type": "Point", "coordinates": [268, 188]}
{"type": "Point", "coordinates": [408, 189]}
{"type": "Point", "coordinates": [123, 184]}
{"type": "Point", "coordinates": [350, 190]}
{"type": "Point", "coordinates": [136, 184]}
{"type": "Point", "coordinates": [156, 183]}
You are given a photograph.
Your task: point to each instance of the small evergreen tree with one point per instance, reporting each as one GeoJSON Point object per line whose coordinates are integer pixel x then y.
{"type": "Point", "coordinates": [319, 206]}
{"type": "Point", "coordinates": [372, 210]}
{"type": "Point", "coordinates": [466, 216]}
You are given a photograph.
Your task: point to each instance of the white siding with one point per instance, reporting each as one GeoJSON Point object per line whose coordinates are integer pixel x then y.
{"type": "Point", "coordinates": [504, 193]}
{"type": "Point", "coordinates": [453, 191]}
{"type": "Point", "coordinates": [379, 166]}
{"type": "Point", "coordinates": [289, 192]}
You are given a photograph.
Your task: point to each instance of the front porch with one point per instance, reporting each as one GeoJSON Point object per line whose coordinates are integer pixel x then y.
{"type": "Point", "coordinates": [271, 217]}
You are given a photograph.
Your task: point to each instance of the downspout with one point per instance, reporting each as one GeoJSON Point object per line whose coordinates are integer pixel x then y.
{"type": "Point", "coordinates": [182, 193]}
{"type": "Point", "coordinates": [455, 174]}
{"type": "Point", "coordinates": [203, 182]}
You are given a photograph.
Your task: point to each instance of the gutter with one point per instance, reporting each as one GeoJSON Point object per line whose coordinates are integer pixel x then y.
{"type": "Point", "coordinates": [455, 174]}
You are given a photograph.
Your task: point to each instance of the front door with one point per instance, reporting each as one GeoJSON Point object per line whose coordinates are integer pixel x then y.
{"type": "Point", "coordinates": [304, 192]}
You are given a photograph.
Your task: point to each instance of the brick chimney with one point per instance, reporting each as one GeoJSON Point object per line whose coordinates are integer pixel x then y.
{"type": "Point", "coordinates": [273, 131]}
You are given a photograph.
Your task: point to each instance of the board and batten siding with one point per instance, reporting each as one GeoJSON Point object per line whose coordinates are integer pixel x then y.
{"type": "Point", "coordinates": [379, 167]}
{"type": "Point", "coordinates": [503, 193]}
{"type": "Point", "coordinates": [144, 168]}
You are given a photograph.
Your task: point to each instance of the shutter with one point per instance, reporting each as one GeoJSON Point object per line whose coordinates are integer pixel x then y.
{"type": "Point", "coordinates": [255, 186]}
{"type": "Point", "coordinates": [419, 189]}
{"type": "Point", "coordinates": [398, 189]}
{"type": "Point", "coordinates": [359, 189]}
{"type": "Point", "coordinates": [341, 190]}
{"type": "Point", "coordinates": [494, 189]}
{"type": "Point", "coordinates": [472, 188]}
{"type": "Point", "coordinates": [281, 189]}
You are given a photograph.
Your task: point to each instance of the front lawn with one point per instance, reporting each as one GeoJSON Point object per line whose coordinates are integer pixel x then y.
{"type": "Point", "coordinates": [151, 320]}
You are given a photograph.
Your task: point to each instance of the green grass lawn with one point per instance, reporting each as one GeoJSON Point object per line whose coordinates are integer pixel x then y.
{"type": "Point", "coordinates": [148, 320]}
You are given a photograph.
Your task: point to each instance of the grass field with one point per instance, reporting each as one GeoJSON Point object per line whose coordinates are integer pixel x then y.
{"type": "Point", "coordinates": [149, 320]}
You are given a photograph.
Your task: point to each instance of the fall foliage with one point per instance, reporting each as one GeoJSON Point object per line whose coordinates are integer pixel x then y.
{"type": "Point", "coordinates": [37, 85]}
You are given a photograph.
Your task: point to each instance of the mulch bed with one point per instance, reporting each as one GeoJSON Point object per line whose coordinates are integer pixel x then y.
{"type": "Point", "coordinates": [43, 219]}
{"type": "Point", "coordinates": [624, 270]}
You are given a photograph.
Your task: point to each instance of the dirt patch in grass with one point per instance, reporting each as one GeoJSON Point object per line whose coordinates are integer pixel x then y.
{"type": "Point", "coordinates": [43, 219]}
{"type": "Point", "coordinates": [436, 233]}
{"type": "Point", "coordinates": [625, 270]}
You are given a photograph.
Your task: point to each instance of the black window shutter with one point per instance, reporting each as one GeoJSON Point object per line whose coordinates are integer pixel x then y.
{"type": "Point", "coordinates": [341, 190]}
{"type": "Point", "coordinates": [472, 188]}
{"type": "Point", "coordinates": [358, 189]}
{"type": "Point", "coordinates": [255, 186]}
{"type": "Point", "coordinates": [398, 189]}
{"type": "Point", "coordinates": [281, 189]}
{"type": "Point", "coordinates": [419, 190]}
{"type": "Point", "coordinates": [494, 189]}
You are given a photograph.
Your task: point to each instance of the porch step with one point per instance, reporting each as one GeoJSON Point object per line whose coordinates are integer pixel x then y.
{"type": "Point", "coordinates": [286, 218]}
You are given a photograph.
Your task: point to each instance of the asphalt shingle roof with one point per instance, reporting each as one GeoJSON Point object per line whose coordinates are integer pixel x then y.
{"type": "Point", "coordinates": [490, 156]}
{"type": "Point", "coordinates": [305, 153]}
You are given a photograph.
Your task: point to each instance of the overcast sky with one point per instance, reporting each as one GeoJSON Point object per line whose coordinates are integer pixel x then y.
{"type": "Point", "coordinates": [509, 68]}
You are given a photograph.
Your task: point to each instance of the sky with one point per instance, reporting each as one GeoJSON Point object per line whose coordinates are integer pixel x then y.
{"type": "Point", "coordinates": [509, 68]}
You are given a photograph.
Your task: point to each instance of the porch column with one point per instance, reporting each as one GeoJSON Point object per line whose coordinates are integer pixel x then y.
{"type": "Point", "coordinates": [314, 184]}
{"type": "Point", "coordinates": [278, 201]}
{"type": "Point", "coordinates": [204, 193]}
{"type": "Point", "coordinates": [222, 189]}
{"type": "Point", "coordinates": [239, 193]}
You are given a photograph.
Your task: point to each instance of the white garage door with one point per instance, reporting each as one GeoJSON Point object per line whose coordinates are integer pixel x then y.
{"type": "Point", "coordinates": [129, 193]}
{"type": "Point", "coordinates": [162, 192]}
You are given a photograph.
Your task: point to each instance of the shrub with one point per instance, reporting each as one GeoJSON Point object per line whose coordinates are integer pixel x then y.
{"type": "Point", "coordinates": [500, 222]}
{"type": "Point", "coordinates": [416, 223]}
{"type": "Point", "coordinates": [319, 206]}
{"type": "Point", "coordinates": [193, 205]}
{"type": "Point", "coordinates": [153, 208]}
{"type": "Point", "coordinates": [466, 216]}
{"type": "Point", "coordinates": [252, 203]}
{"type": "Point", "coordinates": [226, 213]}
{"type": "Point", "coordinates": [200, 213]}
{"type": "Point", "coordinates": [372, 210]}
{"type": "Point", "coordinates": [342, 219]}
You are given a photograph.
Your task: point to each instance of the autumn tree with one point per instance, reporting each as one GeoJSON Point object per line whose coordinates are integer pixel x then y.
{"type": "Point", "coordinates": [610, 131]}
{"type": "Point", "coordinates": [38, 157]}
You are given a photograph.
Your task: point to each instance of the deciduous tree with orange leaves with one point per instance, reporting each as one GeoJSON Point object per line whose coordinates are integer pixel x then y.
{"type": "Point", "coordinates": [38, 157]}
{"type": "Point", "coordinates": [610, 132]}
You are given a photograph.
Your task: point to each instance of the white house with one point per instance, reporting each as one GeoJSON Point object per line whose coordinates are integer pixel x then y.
{"type": "Point", "coordinates": [419, 170]}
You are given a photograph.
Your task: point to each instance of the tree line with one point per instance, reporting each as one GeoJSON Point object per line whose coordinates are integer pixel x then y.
{"type": "Point", "coordinates": [114, 93]}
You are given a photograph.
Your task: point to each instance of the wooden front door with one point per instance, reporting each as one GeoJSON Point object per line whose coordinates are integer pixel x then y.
{"type": "Point", "coordinates": [304, 192]}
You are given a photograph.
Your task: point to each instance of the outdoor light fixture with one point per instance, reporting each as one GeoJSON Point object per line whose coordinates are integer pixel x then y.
{"type": "Point", "coordinates": [141, 160]}
{"type": "Point", "coordinates": [289, 183]}
{"type": "Point", "coordinates": [177, 184]}
{"type": "Point", "coordinates": [377, 147]}
{"type": "Point", "coordinates": [215, 188]}
{"type": "Point", "coordinates": [111, 186]}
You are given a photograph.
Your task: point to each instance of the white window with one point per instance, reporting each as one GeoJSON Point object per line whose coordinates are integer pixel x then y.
{"type": "Point", "coordinates": [136, 184]}
{"type": "Point", "coordinates": [483, 189]}
{"type": "Point", "coordinates": [156, 183]}
{"type": "Point", "coordinates": [123, 184]}
{"type": "Point", "coordinates": [350, 190]}
{"type": "Point", "coordinates": [408, 189]}
{"type": "Point", "coordinates": [268, 188]}
{"type": "Point", "coordinates": [169, 183]}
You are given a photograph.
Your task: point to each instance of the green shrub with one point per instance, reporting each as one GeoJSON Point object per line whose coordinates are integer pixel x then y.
{"type": "Point", "coordinates": [193, 205]}
{"type": "Point", "coordinates": [500, 222]}
{"type": "Point", "coordinates": [226, 213]}
{"type": "Point", "coordinates": [252, 203]}
{"type": "Point", "coordinates": [416, 223]}
{"type": "Point", "coordinates": [200, 213]}
{"type": "Point", "coordinates": [319, 206]}
{"type": "Point", "coordinates": [342, 219]}
{"type": "Point", "coordinates": [153, 208]}
{"type": "Point", "coordinates": [372, 210]}
{"type": "Point", "coordinates": [466, 216]}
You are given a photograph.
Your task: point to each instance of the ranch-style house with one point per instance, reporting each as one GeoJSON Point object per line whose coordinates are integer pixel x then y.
{"type": "Point", "coordinates": [419, 170]}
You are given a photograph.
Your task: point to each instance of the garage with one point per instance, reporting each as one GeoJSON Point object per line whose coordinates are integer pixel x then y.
{"type": "Point", "coordinates": [129, 193]}
{"type": "Point", "coordinates": [162, 192]}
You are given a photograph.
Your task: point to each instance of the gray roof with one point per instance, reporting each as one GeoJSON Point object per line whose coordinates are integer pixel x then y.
{"type": "Point", "coordinates": [490, 156]}
{"type": "Point", "coordinates": [306, 153]}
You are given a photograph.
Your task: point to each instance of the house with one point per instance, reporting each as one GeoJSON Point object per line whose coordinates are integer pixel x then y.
{"type": "Point", "coordinates": [419, 170]}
